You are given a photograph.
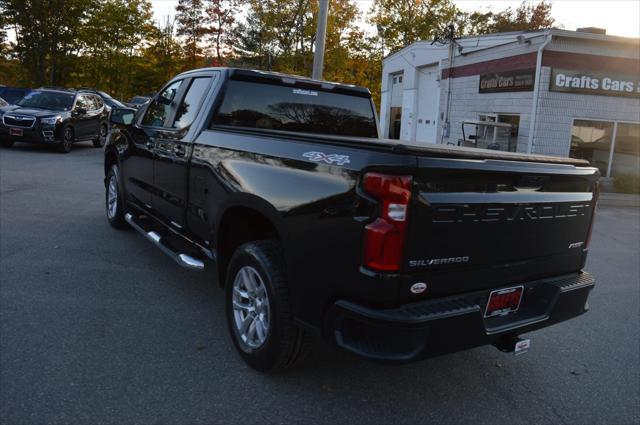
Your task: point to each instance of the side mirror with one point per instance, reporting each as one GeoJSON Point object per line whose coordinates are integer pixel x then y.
{"type": "Point", "coordinates": [122, 116]}
{"type": "Point", "coordinates": [81, 111]}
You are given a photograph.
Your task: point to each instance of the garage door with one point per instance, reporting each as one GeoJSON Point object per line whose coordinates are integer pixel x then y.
{"type": "Point", "coordinates": [428, 99]}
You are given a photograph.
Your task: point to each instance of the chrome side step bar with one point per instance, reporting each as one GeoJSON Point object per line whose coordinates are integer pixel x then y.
{"type": "Point", "coordinates": [183, 259]}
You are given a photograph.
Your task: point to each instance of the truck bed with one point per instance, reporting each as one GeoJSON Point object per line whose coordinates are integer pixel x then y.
{"type": "Point", "coordinates": [418, 149]}
{"type": "Point", "coordinates": [448, 151]}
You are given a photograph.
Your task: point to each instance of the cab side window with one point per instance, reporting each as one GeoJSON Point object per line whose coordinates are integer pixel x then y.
{"type": "Point", "coordinates": [161, 106]}
{"type": "Point", "coordinates": [191, 102]}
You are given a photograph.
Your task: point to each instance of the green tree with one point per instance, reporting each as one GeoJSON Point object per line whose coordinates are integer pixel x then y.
{"type": "Point", "coordinates": [280, 36]}
{"type": "Point", "coordinates": [191, 25]}
{"type": "Point", "coordinates": [114, 45]}
{"type": "Point", "coordinates": [254, 38]}
{"type": "Point", "coordinates": [47, 35]}
{"type": "Point", "coordinates": [10, 69]}
{"type": "Point", "coordinates": [3, 32]}
{"type": "Point", "coordinates": [221, 18]}
{"type": "Point", "coordinates": [274, 33]}
{"type": "Point", "coordinates": [162, 58]}
{"type": "Point", "coordinates": [113, 40]}
{"type": "Point", "coordinates": [528, 16]}
{"type": "Point", "coordinates": [402, 22]}
{"type": "Point", "coordinates": [474, 23]}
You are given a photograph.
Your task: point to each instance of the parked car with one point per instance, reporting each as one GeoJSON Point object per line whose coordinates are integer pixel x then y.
{"type": "Point", "coordinates": [55, 117]}
{"type": "Point", "coordinates": [137, 102]}
{"type": "Point", "coordinates": [12, 94]}
{"type": "Point", "coordinates": [390, 251]}
{"type": "Point", "coordinates": [106, 97]}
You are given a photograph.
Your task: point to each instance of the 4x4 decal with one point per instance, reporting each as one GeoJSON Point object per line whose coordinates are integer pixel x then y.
{"type": "Point", "coordinates": [329, 159]}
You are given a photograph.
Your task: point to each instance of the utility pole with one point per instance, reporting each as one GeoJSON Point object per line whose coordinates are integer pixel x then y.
{"type": "Point", "coordinates": [321, 35]}
{"type": "Point", "coordinates": [449, 38]}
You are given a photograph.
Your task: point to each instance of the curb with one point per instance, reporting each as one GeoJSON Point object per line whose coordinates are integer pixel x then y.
{"type": "Point", "coordinates": [618, 200]}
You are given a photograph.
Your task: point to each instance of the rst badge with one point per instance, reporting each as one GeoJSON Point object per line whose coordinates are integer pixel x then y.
{"type": "Point", "coordinates": [329, 159]}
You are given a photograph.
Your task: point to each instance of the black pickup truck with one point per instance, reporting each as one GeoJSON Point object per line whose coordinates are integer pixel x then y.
{"type": "Point", "coordinates": [317, 226]}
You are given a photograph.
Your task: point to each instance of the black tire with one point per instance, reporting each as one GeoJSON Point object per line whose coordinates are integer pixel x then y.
{"type": "Point", "coordinates": [100, 140]}
{"type": "Point", "coordinates": [68, 137]}
{"type": "Point", "coordinates": [285, 342]}
{"type": "Point", "coordinates": [116, 219]}
{"type": "Point", "coordinates": [6, 143]}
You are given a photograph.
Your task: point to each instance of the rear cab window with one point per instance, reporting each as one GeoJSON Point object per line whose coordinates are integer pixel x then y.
{"type": "Point", "coordinates": [295, 108]}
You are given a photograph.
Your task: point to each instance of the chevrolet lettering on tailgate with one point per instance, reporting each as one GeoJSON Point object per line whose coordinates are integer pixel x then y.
{"type": "Point", "coordinates": [486, 213]}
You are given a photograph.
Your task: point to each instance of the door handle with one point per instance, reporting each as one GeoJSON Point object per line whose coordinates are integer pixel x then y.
{"type": "Point", "coordinates": [179, 150]}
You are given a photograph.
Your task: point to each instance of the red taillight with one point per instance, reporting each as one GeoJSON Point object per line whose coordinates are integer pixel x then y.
{"type": "Point", "coordinates": [596, 195]}
{"type": "Point", "coordinates": [384, 238]}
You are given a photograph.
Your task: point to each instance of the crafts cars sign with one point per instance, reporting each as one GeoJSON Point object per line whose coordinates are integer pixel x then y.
{"type": "Point", "coordinates": [592, 83]}
{"type": "Point", "coordinates": [507, 81]}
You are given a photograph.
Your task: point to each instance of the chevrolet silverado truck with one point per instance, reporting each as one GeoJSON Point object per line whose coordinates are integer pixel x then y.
{"type": "Point", "coordinates": [316, 226]}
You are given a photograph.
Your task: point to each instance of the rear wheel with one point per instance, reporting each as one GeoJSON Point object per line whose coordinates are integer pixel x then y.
{"type": "Point", "coordinates": [99, 141]}
{"type": "Point", "coordinates": [6, 143]}
{"type": "Point", "coordinates": [68, 138]}
{"type": "Point", "coordinates": [114, 200]}
{"type": "Point", "coordinates": [258, 311]}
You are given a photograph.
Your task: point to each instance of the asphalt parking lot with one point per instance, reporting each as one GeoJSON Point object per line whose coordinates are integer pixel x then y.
{"type": "Point", "coordinates": [98, 326]}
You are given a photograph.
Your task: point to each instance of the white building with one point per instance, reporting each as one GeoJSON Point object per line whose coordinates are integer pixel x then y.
{"type": "Point", "coordinates": [579, 89]}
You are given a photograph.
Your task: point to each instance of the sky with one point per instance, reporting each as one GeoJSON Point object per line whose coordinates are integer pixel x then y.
{"type": "Point", "coordinates": [618, 17]}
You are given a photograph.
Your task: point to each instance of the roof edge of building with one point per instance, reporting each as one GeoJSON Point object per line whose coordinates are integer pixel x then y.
{"type": "Point", "coordinates": [594, 36]}
{"type": "Point", "coordinates": [555, 32]}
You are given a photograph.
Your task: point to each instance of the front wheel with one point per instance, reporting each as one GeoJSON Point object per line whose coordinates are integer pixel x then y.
{"type": "Point", "coordinates": [114, 202]}
{"type": "Point", "coordinates": [100, 140]}
{"type": "Point", "coordinates": [258, 311]}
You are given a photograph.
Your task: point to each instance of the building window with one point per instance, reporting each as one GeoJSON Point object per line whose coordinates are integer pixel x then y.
{"type": "Point", "coordinates": [514, 120]}
{"type": "Point", "coordinates": [626, 151]}
{"type": "Point", "coordinates": [613, 147]}
{"type": "Point", "coordinates": [591, 140]}
{"type": "Point", "coordinates": [499, 138]}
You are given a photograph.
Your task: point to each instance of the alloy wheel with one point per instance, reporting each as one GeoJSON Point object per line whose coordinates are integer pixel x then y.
{"type": "Point", "coordinates": [68, 138]}
{"type": "Point", "coordinates": [112, 197]}
{"type": "Point", "coordinates": [103, 134]}
{"type": "Point", "coordinates": [251, 310]}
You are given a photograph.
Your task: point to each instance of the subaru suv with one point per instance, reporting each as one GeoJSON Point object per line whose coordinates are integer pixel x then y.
{"type": "Point", "coordinates": [55, 117]}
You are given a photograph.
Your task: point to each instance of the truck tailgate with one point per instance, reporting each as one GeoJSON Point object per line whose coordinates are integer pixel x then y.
{"type": "Point", "coordinates": [473, 213]}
